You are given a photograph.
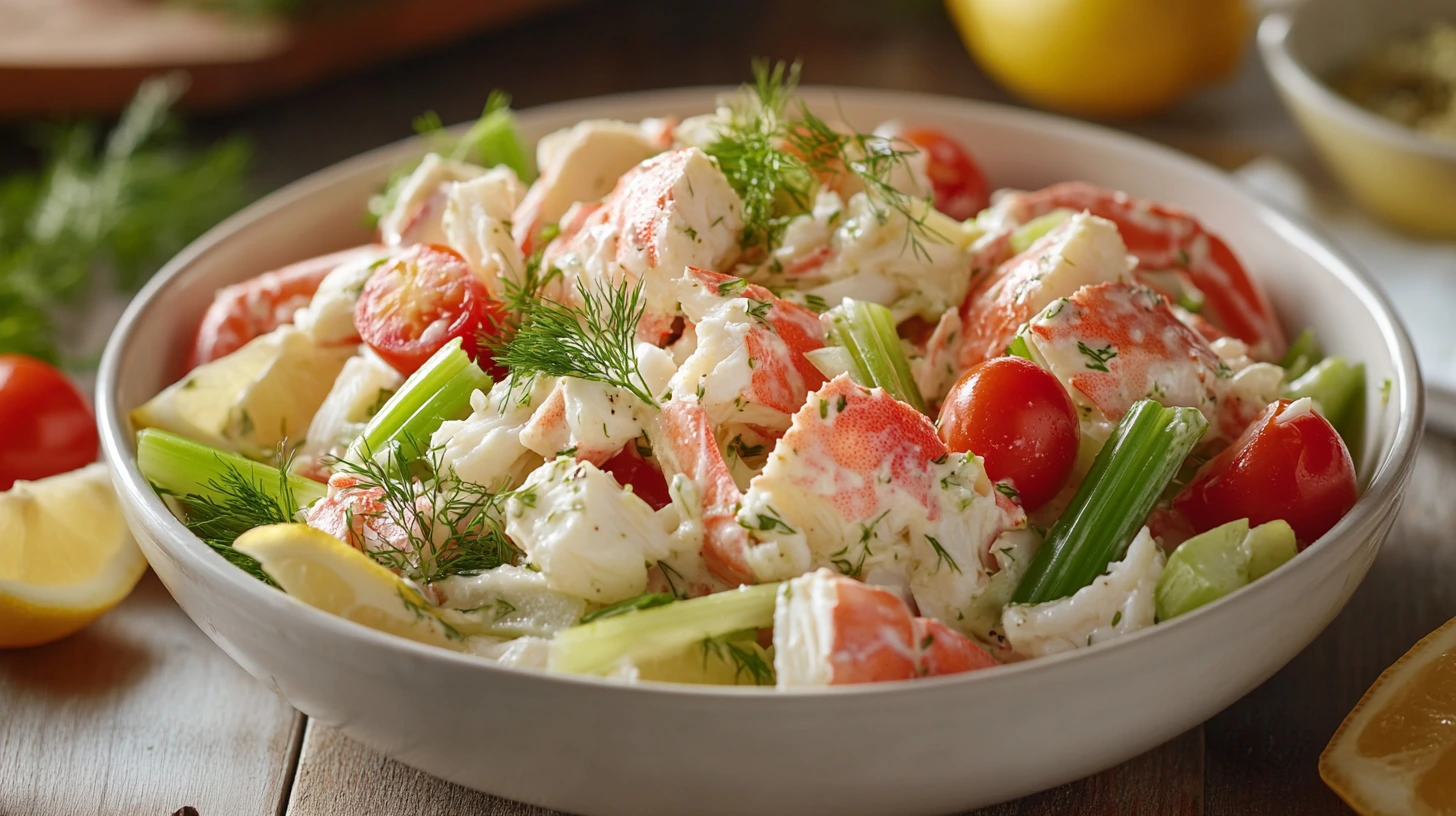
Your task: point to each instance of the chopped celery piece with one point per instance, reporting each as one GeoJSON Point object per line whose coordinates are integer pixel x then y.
{"type": "Point", "coordinates": [1176, 284]}
{"type": "Point", "coordinates": [1203, 569]}
{"type": "Point", "coordinates": [1026, 234]}
{"type": "Point", "coordinates": [182, 467]}
{"type": "Point", "coordinates": [867, 332]}
{"type": "Point", "coordinates": [1268, 546]}
{"type": "Point", "coordinates": [1302, 354]}
{"type": "Point", "coordinates": [438, 391]}
{"type": "Point", "coordinates": [1333, 383]}
{"type": "Point", "coordinates": [1137, 462]}
{"type": "Point", "coordinates": [1018, 347]}
{"type": "Point", "coordinates": [731, 660]}
{"type": "Point", "coordinates": [831, 361]}
{"type": "Point", "coordinates": [493, 140]}
{"type": "Point", "coordinates": [646, 635]}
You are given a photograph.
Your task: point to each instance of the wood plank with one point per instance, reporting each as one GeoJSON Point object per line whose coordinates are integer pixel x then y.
{"type": "Point", "coordinates": [1166, 781]}
{"type": "Point", "coordinates": [339, 777]}
{"type": "Point", "coordinates": [1261, 752]}
{"type": "Point", "coordinates": [139, 714]}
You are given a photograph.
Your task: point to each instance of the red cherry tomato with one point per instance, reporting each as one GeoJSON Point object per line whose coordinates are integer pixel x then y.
{"type": "Point", "coordinates": [1291, 467]}
{"type": "Point", "coordinates": [421, 300]}
{"type": "Point", "coordinates": [631, 470]}
{"type": "Point", "coordinates": [46, 426]}
{"type": "Point", "coordinates": [955, 178]}
{"type": "Point", "coordinates": [1019, 419]}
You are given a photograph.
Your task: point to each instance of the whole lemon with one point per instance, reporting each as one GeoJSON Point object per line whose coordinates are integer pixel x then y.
{"type": "Point", "coordinates": [1108, 58]}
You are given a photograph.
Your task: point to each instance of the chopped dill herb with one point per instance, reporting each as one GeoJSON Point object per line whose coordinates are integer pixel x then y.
{"type": "Point", "coordinates": [646, 600]}
{"type": "Point", "coordinates": [1098, 357]}
{"type": "Point", "coordinates": [941, 556]}
{"type": "Point", "coordinates": [594, 341]}
{"type": "Point", "coordinates": [746, 659]}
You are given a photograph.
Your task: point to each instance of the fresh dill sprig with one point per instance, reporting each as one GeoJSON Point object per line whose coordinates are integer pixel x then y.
{"type": "Point", "coordinates": [745, 659]}
{"type": "Point", "coordinates": [240, 504]}
{"type": "Point", "coordinates": [646, 600]}
{"type": "Point", "coordinates": [749, 151]}
{"type": "Point", "coordinates": [124, 205]}
{"type": "Point", "coordinates": [774, 162]}
{"type": "Point", "coordinates": [593, 341]}
{"type": "Point", "coordinates": [452, 526]}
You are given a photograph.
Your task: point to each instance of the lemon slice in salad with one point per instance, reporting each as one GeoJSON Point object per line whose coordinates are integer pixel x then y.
{"type": "Point", "coordinates": [65, 556]}
{"type": "Point", "coordinates": [252, 399]}
{"type": "Point", "coordinates": [1396, 751]}
{"type": "Point", "coordinates": [324, 572]}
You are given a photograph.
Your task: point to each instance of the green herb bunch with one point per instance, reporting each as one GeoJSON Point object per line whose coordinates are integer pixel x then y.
{"type": "Point", "coordinates": [106, 209]}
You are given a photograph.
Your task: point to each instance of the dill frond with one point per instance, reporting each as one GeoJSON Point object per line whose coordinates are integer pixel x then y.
{"type": "Point", "coordinates": [745, 659]}
{"type": "Point", "coordinates": [241, 504]}
{"type": "Point", "coordinates": [594, 341]}
{"type": "Point", "coordinates": [452, 526]}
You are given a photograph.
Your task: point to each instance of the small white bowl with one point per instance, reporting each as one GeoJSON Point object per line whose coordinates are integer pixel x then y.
{"type": "Point", "coordinates": [946, 744]}
{"type": "Point", "coordinates": [1403, 176]}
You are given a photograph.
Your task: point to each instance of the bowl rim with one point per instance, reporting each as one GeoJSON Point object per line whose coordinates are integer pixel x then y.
{"type": "Point", "coordinates": [1299, 81]}
{"type": "Point", "coordinates": [1381, 493]}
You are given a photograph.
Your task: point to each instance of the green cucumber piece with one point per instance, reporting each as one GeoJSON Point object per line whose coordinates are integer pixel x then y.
{"type": "Point", "coordinates": [1203, 569]}
{"type": "Point", "coordinates": [1267, 547]}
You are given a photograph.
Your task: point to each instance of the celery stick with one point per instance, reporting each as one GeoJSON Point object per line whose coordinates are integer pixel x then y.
{"type": "Point", "coordinates": [1334, 384]}
{"type": "Point", "coordinates": [1203, 569]}
{"type": "Point", "coordinates": [493, 140]}
{"type": "Point", "coordinates": [649, 634]}
{"type": "Point", "coordinates": [1018, 348]}
{"type": "Point", "coordinates": [1302, 354]}
{"type": "Point", "coordinates": [867, 332]}
{"type": "Point", "coordinates": [1143, 454]}
{"type": "Point", "coordinates": [438, 391]}
{"type": "Point", "coordinates": [182, 467]}
{"type": "Point", "coordinates": [1268, 546]}
{"type": "Point", "coordinates": [1026, 234]}
{"type": "Point", "coordinates": [831, 361]}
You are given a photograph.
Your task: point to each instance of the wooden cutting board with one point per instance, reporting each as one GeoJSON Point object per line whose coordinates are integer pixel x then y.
{"type": "Point", "coordinates": [68, 56]}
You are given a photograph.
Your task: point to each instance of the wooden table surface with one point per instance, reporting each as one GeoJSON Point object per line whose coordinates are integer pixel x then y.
{"type": "Point", "coordinates": [142, 714]}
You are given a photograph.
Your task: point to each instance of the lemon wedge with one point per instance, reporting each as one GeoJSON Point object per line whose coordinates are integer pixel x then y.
{"type": "Point", "coordinates": [324, 572]}
{"type": "Point", "coordinates": [252, 399]}
{"type": "Point", "coordinates": [65, 556]}
{"type": "Point", "coordinates": [1396, 751]}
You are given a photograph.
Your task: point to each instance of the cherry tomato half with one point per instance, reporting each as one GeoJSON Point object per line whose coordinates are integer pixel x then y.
{"type": "Point", "coordinates": [955, 178]}
{"type": "Point", "coordinates": [1017, 417]}
{"type": "Point", "coordinates": [631, 470]}
{"type": "Point", "coordinates": [1290, 466]}
{"type": "Point", "coordinates": [421, 300]}
{"type": "Point", "coordinates": [46, 427]}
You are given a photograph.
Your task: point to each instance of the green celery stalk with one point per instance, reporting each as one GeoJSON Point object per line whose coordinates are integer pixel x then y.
{"type": "Point", "coordinates": [1302, 354]}
{"type": "Point", "coordinates": [1142, 456]}
{"type": "Point", "coordinates": [1018, 347]}
{"type": "Point", "coordinates": [649, 634]}
{"type": "Point", "coordinates": [440, 390]}
{"type": "Point", "coordinates": [867, 332]}
{"type": "Point", "coordinates": [1203, 569]}
{"type": "Point", "coordinates": [493, 140]}
{"type": "Point", "coordinates": [1335, 384]}
{"type": "Point", "coordinates": [1027, 234]}
{"type": "Point", "coordinates": [182, 467]}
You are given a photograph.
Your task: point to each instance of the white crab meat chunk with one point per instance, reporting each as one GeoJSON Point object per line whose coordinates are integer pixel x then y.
{"type": "Point", "coordinates": [592, 420]}
{"type": "Point", "coordinates": [329, 315]}
{"type": "Point", "coordinates": [1116, 603]}
{"type": "Point", "coordinates": [584, 532]}
{"type": "Point", "coordinates": [418, 214]}
{"type": "Point", "coordinates": [1114, 344]}
{"type": "Point", "coordinates": [485, 448]}
{"type": "Point", "coordinates": [741, 370]}
{"type": "Point", "coordinates": [933, 365]}
{"type": "Point", "coordinates": [670, 212]}
{"type": "Point", "coordinates": [477, 224]}
{"type": "Point", "coordinates": [362, 386]}
{"type": "Point", "coordinates": [916, 261]}
{"type": "Point", "coordinates": [581, 164]}
{"type": "Point", "coordinates": [508, 601]}
{"type": "Point", "coordinates": [857, 484]}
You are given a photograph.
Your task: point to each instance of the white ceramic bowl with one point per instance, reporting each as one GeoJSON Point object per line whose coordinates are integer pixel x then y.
{"type": "Point", "coordinates": [929, 746]}
{"type": "Point", "coordinates": [1405, 177]}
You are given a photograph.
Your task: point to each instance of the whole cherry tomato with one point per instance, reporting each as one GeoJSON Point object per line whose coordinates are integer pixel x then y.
{"type": "Point", "coordinates": [1017, 417]}
{"type": "Point", "coordinates": [955, 178]}
{"type": "Point", "coordinates": [1289, 464]}
{"type": "Point", "coordinates": [421, 300]}
{"type": "Point", "coordinates": [46, 427]}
